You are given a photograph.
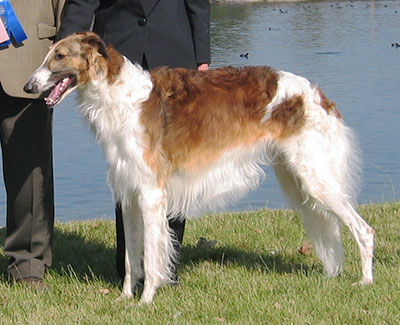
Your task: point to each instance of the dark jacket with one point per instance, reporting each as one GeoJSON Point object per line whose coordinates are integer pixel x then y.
{"type": "Point", "coordinates": [169, 32]}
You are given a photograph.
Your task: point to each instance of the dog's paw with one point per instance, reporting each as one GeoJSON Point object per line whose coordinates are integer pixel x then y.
{"type": "Point", "coordinates": [145, 301]}
{"type": "Point", "coordinates": [363, 282]}
{"type": "Point", "coordinates": [124, 297]}
{"type": "Point", "coordinates": [147, 296]}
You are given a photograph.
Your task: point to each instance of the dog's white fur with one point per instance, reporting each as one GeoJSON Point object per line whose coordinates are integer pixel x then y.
{"type": "Point", "coordinates": [317, 166]}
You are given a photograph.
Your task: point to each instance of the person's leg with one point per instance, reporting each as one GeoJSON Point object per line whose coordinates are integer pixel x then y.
{"type": "Point", "coordinates": [26, 138]}
{"type": "Point", "coordinates": [120, 250]}
{"type": "Point", "coordinates": [178, 227]}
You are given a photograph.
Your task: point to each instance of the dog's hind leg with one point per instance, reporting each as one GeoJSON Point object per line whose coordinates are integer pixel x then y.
{"type": "Point", "coordinates": [133, 230]}
{"type": "Point", "coordinates": [320, 210]}
{"type": "Point", "coordinates": [158, 248]}
{"type": "Point", "coordinates": [323, 165]}
{"type": "Point", "coordinates": [361, 231]}
{"type": "Point", "coordinates": [322, 228]}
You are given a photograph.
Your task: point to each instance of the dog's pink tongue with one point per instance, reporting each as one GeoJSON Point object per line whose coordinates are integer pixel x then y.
{"type": "Point", "coordinates": [57, 91]}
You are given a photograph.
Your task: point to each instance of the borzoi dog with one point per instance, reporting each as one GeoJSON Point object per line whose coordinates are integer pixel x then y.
{"type": "Point", "coordinates": [185, 141]}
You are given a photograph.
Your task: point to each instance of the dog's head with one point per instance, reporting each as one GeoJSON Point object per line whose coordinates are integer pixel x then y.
{"type": "Point", "coordinates": [69, 63]}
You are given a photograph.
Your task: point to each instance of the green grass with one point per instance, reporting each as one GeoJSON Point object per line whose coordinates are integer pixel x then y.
{"type": "Point", "coordinates": [253, 275]}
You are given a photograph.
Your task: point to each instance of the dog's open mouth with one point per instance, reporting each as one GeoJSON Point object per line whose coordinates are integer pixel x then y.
{"type": "Point", "coordinates": [60, 90]}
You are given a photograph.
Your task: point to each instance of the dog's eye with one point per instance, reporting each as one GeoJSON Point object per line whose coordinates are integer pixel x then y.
{"type": "Point", "coordinates": [59, 56]}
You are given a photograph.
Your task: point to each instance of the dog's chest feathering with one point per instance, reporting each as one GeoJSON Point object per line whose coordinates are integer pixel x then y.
{"type": "Point", "coordinates": [113, 112]}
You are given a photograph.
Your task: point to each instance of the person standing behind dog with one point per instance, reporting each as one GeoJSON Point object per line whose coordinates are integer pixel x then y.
{"type": "Point", "coordinates": [26, 137]}
{"type": "Point", "coordinates": [153, 33]}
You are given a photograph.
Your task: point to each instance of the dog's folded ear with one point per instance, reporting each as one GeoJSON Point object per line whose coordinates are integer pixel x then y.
{"type": "Point", "coordinates": [95, 41]}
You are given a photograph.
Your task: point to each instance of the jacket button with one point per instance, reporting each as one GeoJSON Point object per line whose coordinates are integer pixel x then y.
{"type": "Point", "coordinates": [142, 22]}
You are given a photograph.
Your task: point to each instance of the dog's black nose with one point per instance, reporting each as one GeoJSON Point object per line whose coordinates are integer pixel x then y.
{"type": "Point", "coordinates": [29, 88]}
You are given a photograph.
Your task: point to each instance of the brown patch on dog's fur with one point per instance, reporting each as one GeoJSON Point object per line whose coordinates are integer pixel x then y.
{"type": "Point", "coordinates": [114, 64]}
{"type": "Point", "coordinates": [189, 114]}
{"type": "Point", "coordinates": [328, 105]}
{"type": "Point", "coordinates": [101, 57]}
{"type": "Point", "coordinates": [287, 118]}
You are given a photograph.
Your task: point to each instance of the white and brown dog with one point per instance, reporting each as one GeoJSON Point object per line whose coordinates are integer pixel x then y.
{"type": "Point", "coordinates": [178, 140]}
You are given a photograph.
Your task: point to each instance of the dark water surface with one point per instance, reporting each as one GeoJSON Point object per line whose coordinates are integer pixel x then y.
{"type": "Point", "coordinates": [344, 47]}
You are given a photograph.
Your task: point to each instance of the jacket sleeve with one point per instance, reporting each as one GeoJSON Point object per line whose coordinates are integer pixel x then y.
{"type": "Point", "coordinates": [77, 16]}
{"type": "Point", "coordinates": [199, 16]}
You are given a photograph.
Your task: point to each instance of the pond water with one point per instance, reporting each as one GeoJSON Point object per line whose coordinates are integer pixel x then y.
{"type": "Point", "coordinates": [344, 47]}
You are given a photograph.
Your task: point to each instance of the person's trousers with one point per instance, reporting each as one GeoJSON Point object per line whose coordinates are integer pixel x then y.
{"type": "Point", "coordinates": [177, 226]}
{"type": "Point", "coordinates": [26, 140]}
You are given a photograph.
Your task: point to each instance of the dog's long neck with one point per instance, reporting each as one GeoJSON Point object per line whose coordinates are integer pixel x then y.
{"type": "Point", "coordinates": [116, 91]}
{"type": "Point", "coordinates": [112, 106]}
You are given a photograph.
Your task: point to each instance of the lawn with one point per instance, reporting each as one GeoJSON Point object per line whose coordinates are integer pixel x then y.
{"type": "Point", "coordinates": [251, 268]}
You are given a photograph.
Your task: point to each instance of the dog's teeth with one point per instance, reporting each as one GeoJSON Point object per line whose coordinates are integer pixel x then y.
{"type": "Point", "coordinates": [49, 101]}
{"type": "Point", "coordinates": [63, 83]}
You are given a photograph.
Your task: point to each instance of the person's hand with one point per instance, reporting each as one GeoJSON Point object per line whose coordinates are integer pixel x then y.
{"type": "Point", "coordinates": [202, 67]}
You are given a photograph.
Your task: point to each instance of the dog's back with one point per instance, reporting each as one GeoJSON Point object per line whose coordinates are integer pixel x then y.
{"type": "Point", "coordinates": [210, 132]}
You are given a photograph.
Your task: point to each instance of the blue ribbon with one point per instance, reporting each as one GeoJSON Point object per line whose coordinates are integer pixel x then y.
{"type": "Point", "coordinates": [11, 23]}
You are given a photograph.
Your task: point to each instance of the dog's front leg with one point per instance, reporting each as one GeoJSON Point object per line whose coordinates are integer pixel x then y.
{"type": "Point", "coordinates": [158, 249]}
{"type": "Point", "coordinates": [133, 230]}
